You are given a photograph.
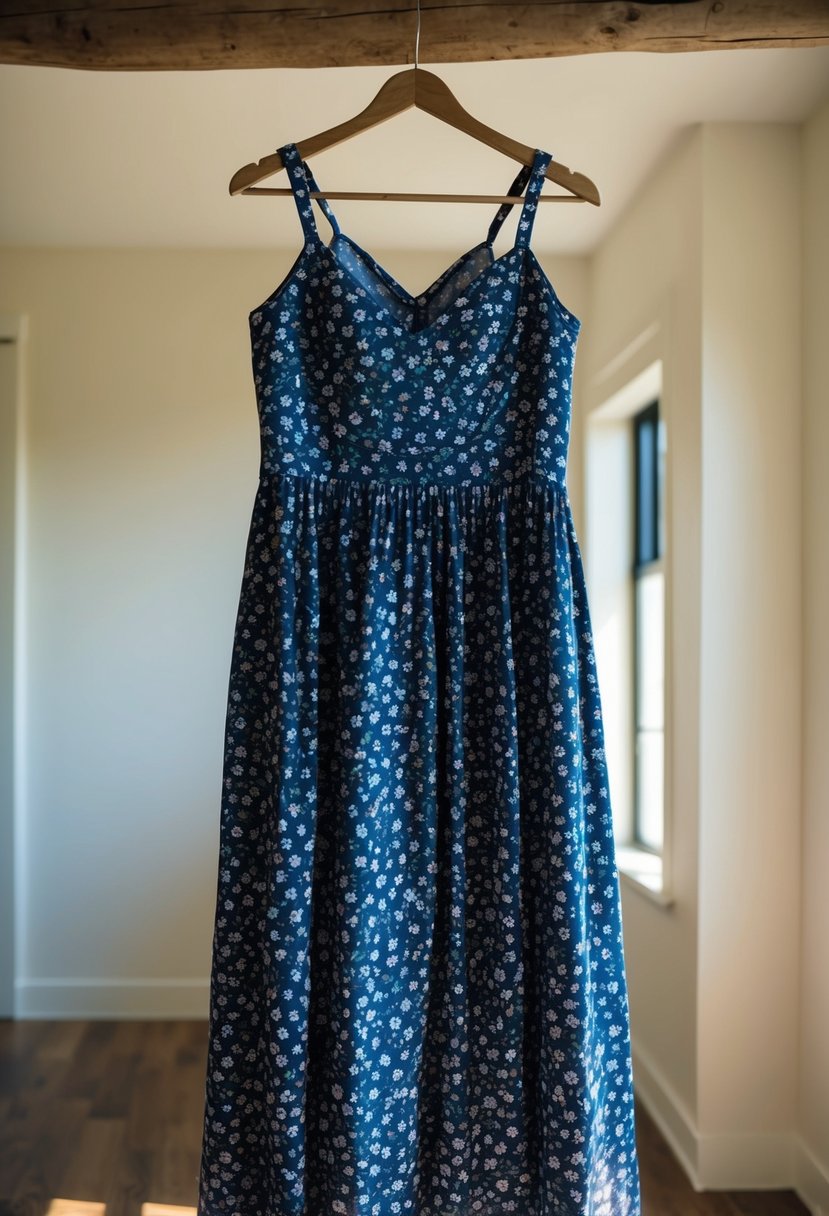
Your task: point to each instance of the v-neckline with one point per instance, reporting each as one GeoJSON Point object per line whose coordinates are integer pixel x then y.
{"type": "Point", "coordinates": [407, 297]}
{"type": "Point", "coordinates": [316, 249]}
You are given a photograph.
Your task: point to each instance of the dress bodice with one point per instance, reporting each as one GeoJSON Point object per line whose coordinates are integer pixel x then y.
{"type": "Point", "coordinates": [469, 382]}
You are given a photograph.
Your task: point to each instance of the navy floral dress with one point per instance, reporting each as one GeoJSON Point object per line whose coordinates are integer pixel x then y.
{"type": "Point", "coordinates": [418, 1001]}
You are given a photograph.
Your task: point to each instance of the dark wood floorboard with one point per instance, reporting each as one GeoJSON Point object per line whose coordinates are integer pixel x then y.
{"type": "Point", "coordinates": [105, 1116]}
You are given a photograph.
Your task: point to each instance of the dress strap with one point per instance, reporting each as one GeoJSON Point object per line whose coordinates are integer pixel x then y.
{"type": "Point", "coordinates": [302, 182]}
{"type": "Point", "coordinates": [535, 174]}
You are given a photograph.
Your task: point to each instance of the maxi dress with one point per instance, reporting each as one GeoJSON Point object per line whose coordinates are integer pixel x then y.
{"type": "Point", "coordinates": [418, 998]}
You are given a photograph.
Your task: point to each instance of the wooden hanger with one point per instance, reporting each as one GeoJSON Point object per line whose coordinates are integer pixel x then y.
{"type": "Point", "coordinates": [426, 91]}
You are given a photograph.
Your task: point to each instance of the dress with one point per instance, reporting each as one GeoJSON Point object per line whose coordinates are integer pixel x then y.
{"type": "Point", "coordinates": [418, 999]}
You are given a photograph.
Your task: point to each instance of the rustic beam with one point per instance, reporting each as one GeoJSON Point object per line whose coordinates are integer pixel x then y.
{"type": "Point", "coordinates": [118, 35]}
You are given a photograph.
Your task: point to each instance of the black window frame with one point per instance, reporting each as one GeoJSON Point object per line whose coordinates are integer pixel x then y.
{"type": "Point", "coordinates": [647, 547]}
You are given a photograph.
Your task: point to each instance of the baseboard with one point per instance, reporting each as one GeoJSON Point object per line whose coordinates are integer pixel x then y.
{"type": "Point", "coordinates": [129, 999]}
{"type": "Point", "coordinates": [812, 1181]}
{"type": "Point", "coordinates": [667, 1110]}
{"type": "Point", "coordinates": [728, 1163]}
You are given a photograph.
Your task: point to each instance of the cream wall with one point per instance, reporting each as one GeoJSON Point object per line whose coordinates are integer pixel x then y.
{"type": "Point", "coordinates": [813, 1005]}
{"type": "Point", "coordinates": [750, 657]}
{"type": "Point", "coordinates": [140, 450]}
{"type": "Point", "coordinates": [646, 304]}
{"type": "Point", "coordinates": [719, 268]}
{"type": "Point", "coordinates": [139, 455]}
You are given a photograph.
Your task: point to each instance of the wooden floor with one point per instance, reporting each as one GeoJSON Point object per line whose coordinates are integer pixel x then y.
{"type": "Point", "coordinates": [104, 1119]}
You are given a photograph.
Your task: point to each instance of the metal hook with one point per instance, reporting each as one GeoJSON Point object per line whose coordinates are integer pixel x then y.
{"type": "Point", "coordinates": [417, 37]}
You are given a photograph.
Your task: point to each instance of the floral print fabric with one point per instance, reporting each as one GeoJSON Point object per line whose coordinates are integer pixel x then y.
{"type": "Point", "coordinates": [418, 1001]}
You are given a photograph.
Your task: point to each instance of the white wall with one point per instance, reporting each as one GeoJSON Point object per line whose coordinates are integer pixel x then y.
{"type": "Point", "coordinates": [9, 489]}
{"type": "Point", "coordinates": [712, 271]}
{"type": "Point", "coordinates": [813, 1060]}
{"type": "Point", "coordinates": [749, 808]}
{"type": "Point", "coordinates": [645, 303]}
{"type": "Point", "coordinates": [141, 451]}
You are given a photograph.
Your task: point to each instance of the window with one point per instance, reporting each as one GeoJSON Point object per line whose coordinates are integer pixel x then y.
{"type": "Point", "coordinates": [648, 593]}
{"type": "Point", "coordinates": [627, 507]}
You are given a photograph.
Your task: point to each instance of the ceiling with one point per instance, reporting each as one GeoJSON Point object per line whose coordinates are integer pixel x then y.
{"type": "Point", "coordinates": [144, 158]}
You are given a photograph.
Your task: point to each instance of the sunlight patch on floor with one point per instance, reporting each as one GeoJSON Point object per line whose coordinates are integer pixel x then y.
{"type": "Point", "coordinates": [75, 1207]}
{"type": "Point", "coordinates": [165, 1209]}
{"type": "Point", "coordinates": [83, 1207]}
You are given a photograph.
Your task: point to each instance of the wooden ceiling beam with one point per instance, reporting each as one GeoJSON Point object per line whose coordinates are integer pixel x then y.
{"type": "Point", "coordinates": [123, 35]}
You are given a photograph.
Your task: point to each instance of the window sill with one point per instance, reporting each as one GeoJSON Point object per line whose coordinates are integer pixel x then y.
{"type": "Point", "coordinates": [643, 871]}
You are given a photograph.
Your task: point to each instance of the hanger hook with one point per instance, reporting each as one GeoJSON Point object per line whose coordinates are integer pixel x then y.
{"type": "Point", "coordinates": [417, 36]}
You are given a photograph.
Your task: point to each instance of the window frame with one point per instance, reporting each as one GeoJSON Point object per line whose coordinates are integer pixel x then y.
{"type": "Point", "coordinates": [648, 558]}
